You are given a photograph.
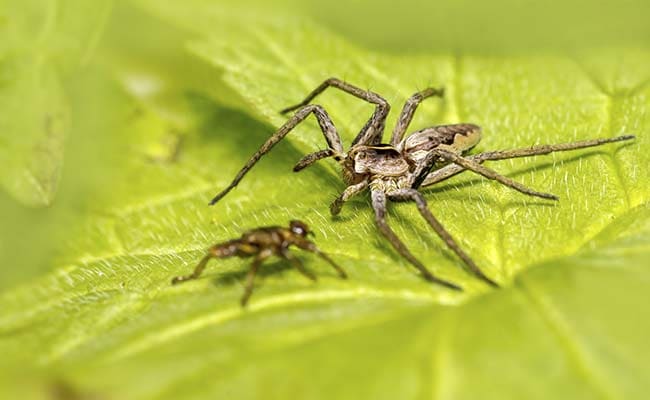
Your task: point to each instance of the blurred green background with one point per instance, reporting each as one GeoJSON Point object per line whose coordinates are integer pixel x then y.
{"type": "Point", "coordinates": [109, 109]}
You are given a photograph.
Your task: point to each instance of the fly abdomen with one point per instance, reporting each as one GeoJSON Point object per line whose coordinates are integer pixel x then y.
{"type": "Point", "coordinates": [232, 248]}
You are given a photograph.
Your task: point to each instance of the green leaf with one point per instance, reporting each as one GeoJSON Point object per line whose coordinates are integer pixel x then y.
{"type": "Point", "coordinates": [570, 322]}
{"type": "Point", "coordinates": [42, 43]}
{"type": "Point", "coordinates": [152, 67]}
{"type": "Point", "coordinates": [31, 141]}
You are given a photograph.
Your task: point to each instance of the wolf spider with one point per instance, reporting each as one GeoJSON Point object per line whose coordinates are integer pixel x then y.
{"type": "Point", "coordinates": [263, 243]}
{"type": "Point", "coordinates": [395, 171]}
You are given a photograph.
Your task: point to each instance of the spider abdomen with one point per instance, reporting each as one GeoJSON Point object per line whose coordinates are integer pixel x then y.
{"type": "Point", "coordinates": [462, 137]}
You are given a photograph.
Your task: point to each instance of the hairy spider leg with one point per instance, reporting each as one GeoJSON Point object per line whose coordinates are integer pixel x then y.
{"type": "Point", "coordinates": [406, 116]}
{"type": "Point", "coordinates": [448, 171]}
{"type": "Point", "coordinates": [350, 191]}
{"type": "Point", "coordinates": [372, 132]}
{"type": "Point", "coordinates": [488, 173]}
{"type": "Point", "coordinates": [306, 245]}
{"type": "Point", "coordinates": [421, 203]}
{"type": "Point", "coordinates": [311, 158]}
{"type": "Point", "coordinates": [422, 169]}
{"type": "Point", "coordinates": [329, 131]}
{"type": "Point", "coordinates": [450, 154]}
{"type": "Point", "coordinates": [379, 205]}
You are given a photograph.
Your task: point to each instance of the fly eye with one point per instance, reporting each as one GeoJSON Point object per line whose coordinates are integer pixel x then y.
{"type": "Point", "coordinates": [299, 228]}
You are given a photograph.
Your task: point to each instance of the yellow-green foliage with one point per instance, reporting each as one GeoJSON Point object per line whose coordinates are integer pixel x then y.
{"type": "Point", "coordinates": [155, 105]}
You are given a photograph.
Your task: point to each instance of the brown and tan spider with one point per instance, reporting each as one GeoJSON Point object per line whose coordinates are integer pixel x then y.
{"type": "Point", "coordinates": [394, 171]}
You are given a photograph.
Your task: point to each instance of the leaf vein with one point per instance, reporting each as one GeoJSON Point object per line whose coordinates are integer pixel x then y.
{"type": "Point", "coordinates": [568, 340]}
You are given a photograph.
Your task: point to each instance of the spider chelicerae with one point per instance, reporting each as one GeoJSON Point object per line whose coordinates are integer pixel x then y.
{"type": "Point", "coordinates": [395, 171]}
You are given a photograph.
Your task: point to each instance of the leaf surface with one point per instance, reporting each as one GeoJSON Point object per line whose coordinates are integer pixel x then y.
{"type": "Point", "coordinates": [572, 309]}
{"type": "Point", "coordinates": [43, 42]}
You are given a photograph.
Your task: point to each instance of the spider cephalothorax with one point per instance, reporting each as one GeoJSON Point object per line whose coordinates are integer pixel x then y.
{"type": "Point", "coordinates": [394, 171]}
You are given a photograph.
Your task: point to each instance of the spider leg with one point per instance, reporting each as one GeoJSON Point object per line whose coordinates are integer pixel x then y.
{"type": "Point", "coordinates": [414, 195]}
{"type": "Point", "coordinates": [352, 190]}
{"type": "Point", "coordinates": [550, 148]}
{"type": "Point", "coordinates": [379, 204]}
{"type": "Point", "coordinates": [373, 130]}
{"type": "Point", "coordinates": [306, 245]}
{"type": "Point", "coordinates": [444, 173]}
{"type": "Point", "coordinates": [329, 131]}
{"type": "Point", "coordinates": [295, 261]}
{"type": "Point", "coordinates": [311, 158]}
{"type": "Point", "coordinates": [490, 174]}
{"type": "Point", "coordinates": [406, 115]}
{"type": "Point", "coordinates": [423, 168]}
{"type": "Point", "coordinates": [250, 277]}
{"type": "Point", "coordinates": [453, 169]}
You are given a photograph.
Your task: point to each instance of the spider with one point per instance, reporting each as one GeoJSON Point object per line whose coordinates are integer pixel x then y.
{"type": "Point", "coordinates": [395, 171]}
{"type": "Point", "coordinates": [263, 243]}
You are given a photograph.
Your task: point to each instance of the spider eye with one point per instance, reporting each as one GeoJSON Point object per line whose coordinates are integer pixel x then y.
{"type": "Point", "coordinates": [364, 155]}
